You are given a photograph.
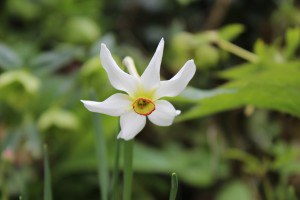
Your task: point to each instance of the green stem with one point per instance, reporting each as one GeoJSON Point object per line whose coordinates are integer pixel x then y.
{"type": "Point", "coordinates": [115, 175]}
{"type": "Point", "coordinates": [47, 176]}
{"type": "Point", "coordinates": [238, 51]}
{"type": "Point", "coordinates": [128, 158]}
{"type": "Point", "coordinates": [283, 182]}
{"type": "Point", "coordinates": [103, 173]}
{"type": "Point", "coordinates": [268, 189]}
{"type": "Point", "coordinates": [4, 192]}
{"type": "Point", "coordinates": [174, 187]}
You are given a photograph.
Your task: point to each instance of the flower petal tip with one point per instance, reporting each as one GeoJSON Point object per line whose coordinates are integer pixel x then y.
{"type": "Point", "coordinates": [191, 61]}
{"type": "Point", "coordinates": [103, 46]}
{"type": "Point", "coordinates": [191, 65]}
{"type": "Point", "coordinates": [121, 136]}
{"type": "Point", "coordinates": [161, 43]}
{"type": "Point", "coordinates": [178, 112]}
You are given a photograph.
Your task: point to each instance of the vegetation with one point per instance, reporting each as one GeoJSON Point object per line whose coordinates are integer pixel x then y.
{"type": "Point", "coordinates": [237, 136]}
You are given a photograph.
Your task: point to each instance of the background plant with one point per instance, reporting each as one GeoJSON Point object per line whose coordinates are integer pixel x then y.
{"type": "Point", "coordinates": [238, 134]}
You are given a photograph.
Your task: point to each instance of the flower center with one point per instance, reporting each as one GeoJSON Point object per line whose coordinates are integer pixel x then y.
{"type": "Point", "coordinates": [143, 106]}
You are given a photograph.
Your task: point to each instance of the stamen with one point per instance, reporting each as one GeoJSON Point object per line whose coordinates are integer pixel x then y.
{"type": "Point", "coordinates": [143, 106]}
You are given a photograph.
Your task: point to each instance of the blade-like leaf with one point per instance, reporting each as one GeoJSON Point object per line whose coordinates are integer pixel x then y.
{"type": "Point", "coordinates": [8, 58]}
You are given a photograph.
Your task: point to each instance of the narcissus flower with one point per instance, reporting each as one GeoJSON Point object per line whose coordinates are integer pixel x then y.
{"type": "Point", "coordinates": [143, 93]}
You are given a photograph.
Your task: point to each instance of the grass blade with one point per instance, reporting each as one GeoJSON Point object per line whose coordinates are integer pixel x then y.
{"type": "Point", "coordinates": [115, 175]}
{"type": "Point", "coordinates": [103, 172]}
{"type": "Point", "coordinates": [174, 187]}
{"type": "Point", "coordinates": [128, 173]}
{"type": "Point", "coordinates": [47, 176]}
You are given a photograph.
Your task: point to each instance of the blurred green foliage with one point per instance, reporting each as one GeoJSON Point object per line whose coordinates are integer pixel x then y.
{"type": "Point", "coordinates": [237, 137]}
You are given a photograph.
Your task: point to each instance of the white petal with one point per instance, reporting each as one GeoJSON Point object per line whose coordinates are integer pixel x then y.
{"type": "Point", "coordinates": [164, 113]}
{"type": "Point", "coordinates": [131, 124]}
{"type": "Point", "coordinates": [117, 77]}
{"type": "Point", "coordinates": [176, 85]}
{"type": "Point", "coordinates": [115, 105]}
{"type": "Point", "coordinates": [151, 76]}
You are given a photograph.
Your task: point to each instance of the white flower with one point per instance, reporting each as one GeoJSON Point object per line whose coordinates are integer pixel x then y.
{"type": "Point", "coordinates": [143, 92]}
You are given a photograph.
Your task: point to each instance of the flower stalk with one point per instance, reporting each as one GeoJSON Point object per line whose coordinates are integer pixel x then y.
{"type": "Point", "coordinates": [128, 173]}
{"type": "Point", "coordinates": [238, 51]}
{"type": "Point", "coordinates": [102, 165]}
{"type": "Point", "coordinates": [47, 176]}
{"type": "Point", "coordinates": [115, 174]}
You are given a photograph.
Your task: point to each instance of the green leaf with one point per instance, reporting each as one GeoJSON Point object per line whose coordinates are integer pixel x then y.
{"type": "Point", "coordinates": [250, 70]}
{"type": "Point", "coordinates": [291, 193]}
{"type": "Point", "coordinates": [270, 52]}
{"type": "Point", "coordinates": [29, 82]}
{"type": "Point", "coordinates": [80, 30]}
{"type": "Point", "coordinates": [174, 158]}
{"type": "Point", "coordinates": [194, 95]}
{"type": "Point", "coordinates": [275, 89]}
{"type": "Point", "coordinates": [251, 163]}
{"type": "Point", "coordinates": [49, 62]}
{"type": "Point", "coordinates": [292, 39]}
{"type": "Point", "coordinates": [206, 56]}
{"type": "Point", "coordinates": [25, 10]}
{"type": "Point", "coordinates": [202, 172]}
{"type": "Point", "coordinates": [16, 85]}
{"type": "Point", "coordinates": [235, 190]}
{"type": "Point", "coordinates": [8, 58]}
{"type": "Point", "coordinates": [231, 31]}
{"type": "Point", "coordinates": [286, 158]}
{"type": "Point", "coordinates": [241, 71]}
{"type": "Point", "coordinates": [55, 117]}
{"type": "Point", "coordinates": [174, 187]}
{"type": "Point", "coordinates": [260, 48]}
